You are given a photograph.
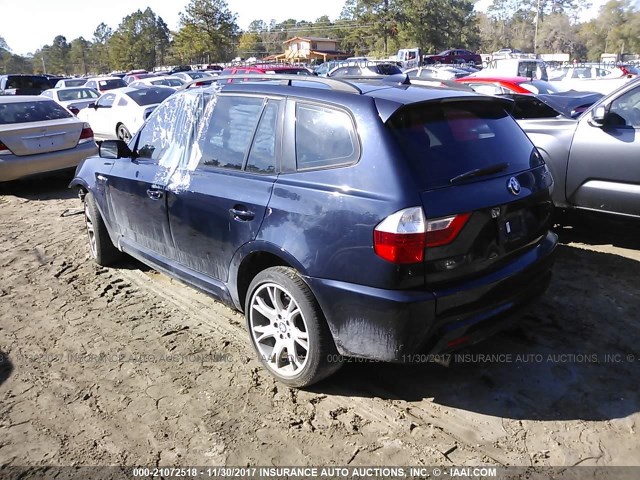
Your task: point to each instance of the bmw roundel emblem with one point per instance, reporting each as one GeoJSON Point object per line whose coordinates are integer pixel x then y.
{"type": "Point", "coordinates": [514, 186]}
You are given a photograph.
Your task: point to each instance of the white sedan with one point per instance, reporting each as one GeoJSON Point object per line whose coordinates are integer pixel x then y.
{"type": "Point", "coordinates": [72, 98]}
{"type": "Point", "coordinates": [119, 113]}
{"type": "Point", "coordinates": [167, 81]}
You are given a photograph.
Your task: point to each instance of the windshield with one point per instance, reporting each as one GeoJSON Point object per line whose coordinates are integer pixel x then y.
{"type": "Point", "coordinates": [445, 140]}
{"type": "Point", "coordinates": [539, 86]}
{"type": "Point", "coordinates": [150, 96]}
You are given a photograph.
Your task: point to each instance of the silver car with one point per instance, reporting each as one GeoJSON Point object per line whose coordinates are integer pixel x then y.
{"type": "Point", "coordinates": [594, 159]}
{"type": "Point", "coordinates": [37, 135]}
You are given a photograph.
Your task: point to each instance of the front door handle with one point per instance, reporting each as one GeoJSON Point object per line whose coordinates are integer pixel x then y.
{"type": "Point", "coordinates": [240, 214]}
{"type": "Point", "coordinates": [154, 194]}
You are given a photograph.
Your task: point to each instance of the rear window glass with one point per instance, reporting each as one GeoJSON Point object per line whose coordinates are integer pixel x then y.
{"type": "Point", "coordinates": [291, 71]}
{"type": "Point", "coordinates": [25, 112]}
{"type": "Point", "coordinates": [444, 140]}
{"type": "Point", "coordinates": [387, 69]}
{"type": "Point", "coordinates": [75, 83]}
{"type": "Point", "coordinates": [111, 84]}
{"type": "Point", "coordinates": [150, 96]}
{"type": "Point", "coordinates": [28, 82]}
{"type": "Point", "coordinates": [77, 94]}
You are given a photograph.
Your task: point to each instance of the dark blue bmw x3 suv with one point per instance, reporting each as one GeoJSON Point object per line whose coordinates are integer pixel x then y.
{"type": "Point", "coordinates": [373, 220]}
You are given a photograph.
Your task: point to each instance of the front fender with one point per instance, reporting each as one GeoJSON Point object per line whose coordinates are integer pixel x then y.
{"type": "Point", "coordinates": [90, 177]}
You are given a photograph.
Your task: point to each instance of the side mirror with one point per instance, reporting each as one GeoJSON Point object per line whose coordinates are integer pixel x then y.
{"type": "Point", "coordinates": [114, 149]}
{"type": "Point", "coordinates": [598, 115]}
{"type": "Point", "coordinates": [92, 105]}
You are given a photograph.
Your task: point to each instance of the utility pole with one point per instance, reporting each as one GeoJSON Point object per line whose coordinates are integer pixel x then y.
{"type": "Point", "coordinates": [535, 37]}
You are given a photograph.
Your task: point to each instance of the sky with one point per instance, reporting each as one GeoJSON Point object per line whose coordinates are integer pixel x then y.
{"type": "Point", "coordinates": [28, 29]}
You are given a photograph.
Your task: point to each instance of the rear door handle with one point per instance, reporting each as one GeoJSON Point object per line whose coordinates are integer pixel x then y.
{"type": "Point", "coordinates": [240, 214]}
{"type": "Point", "coordinates": [154, 194]}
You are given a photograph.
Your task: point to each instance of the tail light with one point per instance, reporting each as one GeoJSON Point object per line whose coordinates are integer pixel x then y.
{"type": "Point", "coordinates": [74, 110]}
{"type": "Point", "coordinates": [443, 231]}
{"type": "Point", "coordinates": [4, 150]}
{"type": "Point", "coordinates": [403, 236]}
{"type": "Point", "coordinates": [86, 135]}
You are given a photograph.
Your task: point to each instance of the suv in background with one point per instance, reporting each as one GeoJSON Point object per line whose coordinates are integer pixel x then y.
{"type": "Point", "coordinates": [23, 84]}
{"type": "Point", "coordinates": [363, 219]}
{"type": "Point", "coordinates": [454, 56]}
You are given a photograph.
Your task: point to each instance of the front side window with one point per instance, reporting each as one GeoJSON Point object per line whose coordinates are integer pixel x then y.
{"type": "Point", "coordinates": [166, 129]}
{"type": "Point", "coordinates": [325, 137]}
{"type": "Point", "coordinates": [225, 141]}
{"type": "Point", "coordinates": [262, 157]}
{"type": "Point", "coordinates": [625, 110]}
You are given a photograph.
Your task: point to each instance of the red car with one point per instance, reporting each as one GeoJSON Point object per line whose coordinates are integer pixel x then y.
{"type": "Point", "coordinates": [266, 68]}
{"type": "Point", "coordinates": [454, 56]}
{"type": "Point", "coordinates": [502, 85]}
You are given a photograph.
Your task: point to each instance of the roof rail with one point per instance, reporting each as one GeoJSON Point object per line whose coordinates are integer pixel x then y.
{"type": "Point", "coordinates": [284, 79]}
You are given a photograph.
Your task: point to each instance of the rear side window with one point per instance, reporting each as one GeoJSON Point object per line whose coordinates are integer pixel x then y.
{"type": "Point", "coordinates": [444, 140]}
{"type": "Point", "coordinates": [26, 112]}
{"type": "Point", "coordinates": [325, 137]}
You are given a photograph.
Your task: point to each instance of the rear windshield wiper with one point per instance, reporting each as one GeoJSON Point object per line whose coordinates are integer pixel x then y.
{"type": "Point", "coordinates": [479, 172]}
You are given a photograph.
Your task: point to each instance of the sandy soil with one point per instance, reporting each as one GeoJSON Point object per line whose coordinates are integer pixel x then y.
{"type": "Point", "coordinates": [126, 366]}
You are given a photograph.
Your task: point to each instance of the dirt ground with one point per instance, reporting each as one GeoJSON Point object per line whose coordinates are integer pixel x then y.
{"type": "Point", "coordinates": [128, 367]}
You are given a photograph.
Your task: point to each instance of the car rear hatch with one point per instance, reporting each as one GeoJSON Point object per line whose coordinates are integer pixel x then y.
{"type": "Point", "coordinates": [41, 137]}
{"type": "Point", "coordinates": [484, 187]}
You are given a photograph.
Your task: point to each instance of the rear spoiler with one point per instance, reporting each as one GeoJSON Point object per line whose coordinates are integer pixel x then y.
{"type": "Point", "coordinates": [386, 108]}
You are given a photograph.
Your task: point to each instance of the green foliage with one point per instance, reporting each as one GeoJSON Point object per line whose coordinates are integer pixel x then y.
{"type": "Point", "coordinates": [139, 42]}
{"type": "Point", "coordinates": [250, 45]}
{"type": "Point", "coordinates": [208, 32]}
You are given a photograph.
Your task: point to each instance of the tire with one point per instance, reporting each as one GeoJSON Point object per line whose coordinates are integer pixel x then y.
{"type": "Point", "coordinates": [282, 314]}
{"type": "Point", "coordinates": [123, 133]}
{"type": "Point", "coordinates": [101, 248]}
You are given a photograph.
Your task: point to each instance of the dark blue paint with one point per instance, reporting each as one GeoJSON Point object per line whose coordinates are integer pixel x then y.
{"type": "Point", "coordinates": [321, 224]}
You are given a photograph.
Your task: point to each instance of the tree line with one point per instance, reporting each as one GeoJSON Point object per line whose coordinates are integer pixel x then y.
{"type": "Point", "coordinates": [208, 33]}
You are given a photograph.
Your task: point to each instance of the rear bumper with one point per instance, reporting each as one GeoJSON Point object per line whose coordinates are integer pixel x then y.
{"type": "Point", "coordinates": [391, 325]}
{"type": "Point", "coordinates": [13, 167]}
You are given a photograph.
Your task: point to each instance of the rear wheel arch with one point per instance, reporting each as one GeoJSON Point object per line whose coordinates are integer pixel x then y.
{"type": "Point", "coordinates": [252, 265]}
